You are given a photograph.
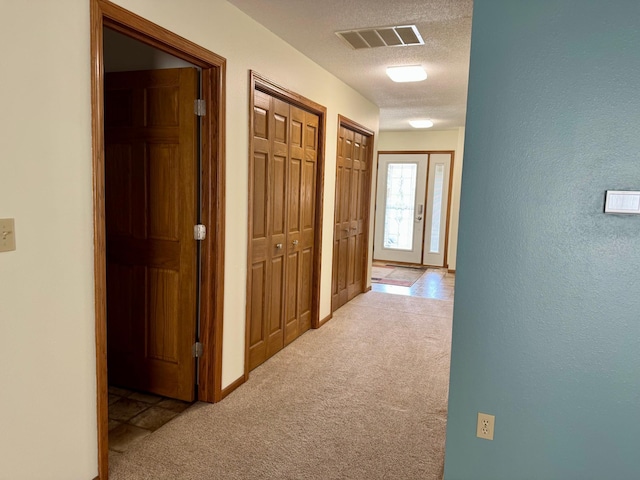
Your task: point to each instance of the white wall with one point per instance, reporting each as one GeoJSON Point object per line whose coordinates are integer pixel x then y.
{"type": "Point", "coordinates": [47, 353]}
{"type": "Point", "coordinates": [434, 140]}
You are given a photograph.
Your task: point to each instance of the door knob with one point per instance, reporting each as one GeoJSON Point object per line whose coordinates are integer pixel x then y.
{"type": "Point", "coordinates": [418, 218]}
{"type": "Point", "coordinates": [294, 243]}
{"type": "Point", "coordinates": [278, 246]}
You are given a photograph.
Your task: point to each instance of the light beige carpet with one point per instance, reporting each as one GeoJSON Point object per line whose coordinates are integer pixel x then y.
{"type": "Point", "coordinates": [363, 397]}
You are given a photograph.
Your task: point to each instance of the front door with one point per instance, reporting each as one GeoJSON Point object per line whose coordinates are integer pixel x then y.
{"type": "Point", "coordinates": [151, 172]}
{"type": "Point", "coordinates": [400, 209]}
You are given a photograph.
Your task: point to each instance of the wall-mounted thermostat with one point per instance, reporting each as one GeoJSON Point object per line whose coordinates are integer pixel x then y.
{"type": "Point", "coordinates": [620, 201]}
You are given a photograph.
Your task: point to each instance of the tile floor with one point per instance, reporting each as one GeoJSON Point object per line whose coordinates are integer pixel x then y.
{"type": "Point", "coordinates": [435, 283]}
{"type": "Point", "coordinates": [134, 415]}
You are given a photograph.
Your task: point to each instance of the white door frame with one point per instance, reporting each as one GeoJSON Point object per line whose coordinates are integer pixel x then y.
{"type": "Point", "coordinates": [378, 253]}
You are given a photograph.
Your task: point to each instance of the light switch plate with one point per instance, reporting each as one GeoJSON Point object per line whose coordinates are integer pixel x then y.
{"type": "Point", "coordinates": [7, 235]}
{"type": "Point", "coordinates": [617, 201]}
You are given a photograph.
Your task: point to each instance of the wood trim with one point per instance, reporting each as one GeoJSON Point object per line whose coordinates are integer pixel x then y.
{"type": "Point", "coordinates": [99, 237]}
{"type": "Point", "coordinates": [139, 28]}
{"type": "Point", "coordinates": [105, 13]}
{"type": "Point", "coordinates": [213, 248]}
{"type": "Point", "coordinates": [451, 271]}
{"type": "Point", "coordinates": [353, 125]}
{"type": "Point", "coordinates": [361, 129]}
{"type": "Point", "coordinates": [232, 386]}
{"type": "Point", "coordinates": [263, 84]}
{"type": "Point", "coordinates": [325, 320]}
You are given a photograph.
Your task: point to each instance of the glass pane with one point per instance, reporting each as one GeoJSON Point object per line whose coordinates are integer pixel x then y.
{"type": "Point", "coordinates": [438, 184]}
{"type": "Point", "coordinates": [400, 205]}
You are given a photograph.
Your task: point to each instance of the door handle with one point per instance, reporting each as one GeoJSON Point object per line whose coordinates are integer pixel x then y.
{"type": "Point", "coordinates": [294, 243]}
{"type": "Point", "coordinates": [278, 246]}
{"type": "Point", "coordinates": [418, 218]}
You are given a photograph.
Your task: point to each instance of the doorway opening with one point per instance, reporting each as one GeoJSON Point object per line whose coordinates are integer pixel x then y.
{"type": "Point", "coordinates": [413, 201]}
{"type": "Point", "coordinates": [158, 172]}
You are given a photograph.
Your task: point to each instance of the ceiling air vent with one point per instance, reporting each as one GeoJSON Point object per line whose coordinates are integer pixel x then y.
{"type": "Point", "coordinates": [403, 36]}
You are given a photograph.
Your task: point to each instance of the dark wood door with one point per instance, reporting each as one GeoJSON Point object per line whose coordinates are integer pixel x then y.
{"type": "Point", "coordinates": [351, 215]}
{"type": "Point", "coordinates": [283, 185]}
{"type": "Point", "coordinates": [151, 207]}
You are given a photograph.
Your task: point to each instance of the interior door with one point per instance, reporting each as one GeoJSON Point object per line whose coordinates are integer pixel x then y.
{"type": "Point", "coordinates": [151, 175]}
{"type": "Point", "coordinates": [351, 206]}
{"type": "Point", "coordinates": [400, 209]}
{"type": "Point", "coordinates": [436, 210]}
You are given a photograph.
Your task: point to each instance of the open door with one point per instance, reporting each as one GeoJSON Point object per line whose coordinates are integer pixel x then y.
{"type": "Point", "coordinates": [151, 171]}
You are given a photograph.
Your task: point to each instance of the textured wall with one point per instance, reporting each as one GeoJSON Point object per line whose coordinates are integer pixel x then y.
{"type": "Point", "coordinates": [547, 312]}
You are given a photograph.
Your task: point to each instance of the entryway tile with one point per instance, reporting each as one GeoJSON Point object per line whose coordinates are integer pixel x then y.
{"type": "Point", "coordinates": [123, 392]}
{"type": "Point", "coordinates": [177, 406]}
{"type": "Point", "coordinates": [145, 397]}
{"type": "Point", "coordinates": [124, 409]}
{"type": "Point", "coordinates": [153, 418]}
{"type": "Point", "coordinates": [123, 436]}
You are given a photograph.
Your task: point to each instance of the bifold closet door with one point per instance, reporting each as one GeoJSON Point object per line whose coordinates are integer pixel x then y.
{"type": "Point", "coordinates": [284, 156]}
{"type": "Point", "coordinates": [352, 202]}
{"type": "Point", "coordinates": [301, 187]}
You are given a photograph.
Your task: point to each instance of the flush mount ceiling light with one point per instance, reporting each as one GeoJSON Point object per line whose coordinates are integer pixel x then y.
{"type": "Point", "coordinates": [421, 123]}
{"type": "Point", "coordinates": [407, 73]}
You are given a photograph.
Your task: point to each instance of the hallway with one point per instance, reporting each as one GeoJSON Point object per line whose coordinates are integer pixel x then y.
{"type": "Point", "coordinates": [364, 397]}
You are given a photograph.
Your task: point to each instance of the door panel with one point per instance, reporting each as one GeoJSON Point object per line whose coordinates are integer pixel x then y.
{"type": "Point", "coordinates": [402, 181]}
{"type": "Point", "coordinates": [151, 206]}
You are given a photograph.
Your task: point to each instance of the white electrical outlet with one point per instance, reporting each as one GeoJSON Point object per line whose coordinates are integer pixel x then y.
{"type": "Point", "coordinates": [485, 426]}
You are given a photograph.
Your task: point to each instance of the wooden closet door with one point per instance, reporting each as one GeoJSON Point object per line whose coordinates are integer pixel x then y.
{"type": "Point", "coordinates": [285, 155]}
{"type": "Point", "coordinates": [357, 212]}
{"type": "Point", "coordinates": [342, 217]}
{"type": "Point", "coordinates": [269, 156]}
{"type": "Point", "coordinates": [352, 203]}
{"type": "Point", "coordinates": [301, 222]}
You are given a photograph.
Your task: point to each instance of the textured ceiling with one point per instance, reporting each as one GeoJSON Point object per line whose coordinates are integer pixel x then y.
{"type": "Point", "coordinates": [445, 26]}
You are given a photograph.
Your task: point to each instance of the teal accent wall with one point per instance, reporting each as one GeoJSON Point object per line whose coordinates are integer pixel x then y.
{"type": "Point", "coordinates": [546, 330]}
